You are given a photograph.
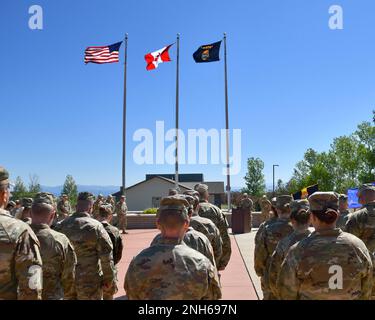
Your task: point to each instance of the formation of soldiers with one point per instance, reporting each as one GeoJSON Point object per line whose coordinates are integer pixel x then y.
{"type": "Point", "coordinates": [49, 252]}
{"type": "Point", "coordinates": [314, 249]}
{"type": "Point", "coordinates": [305, 249]}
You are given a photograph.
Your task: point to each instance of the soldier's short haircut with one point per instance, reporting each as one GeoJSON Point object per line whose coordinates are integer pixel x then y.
{"type": "Point", "coordinates": [171, 219]}
{"type": "Point", "coordinates": [41, 208]}
{"type": "Point", "coordinates": [105, 211]}
{"type": "Point", "coordinates": [301, 216]}
{"type": "Point", "coordinates": [84, 205]}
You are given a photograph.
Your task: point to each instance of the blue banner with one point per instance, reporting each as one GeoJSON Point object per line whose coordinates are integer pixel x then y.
{"type": "Point", "coordinates": [353, 199]}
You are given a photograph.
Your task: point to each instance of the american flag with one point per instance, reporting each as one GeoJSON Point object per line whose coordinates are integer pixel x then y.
{"type": "Point", "coordinates": [104, 54]}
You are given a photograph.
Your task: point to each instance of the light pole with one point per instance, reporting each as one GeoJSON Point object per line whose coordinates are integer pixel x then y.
{"type": "Point", "coordinates": [273, 179]}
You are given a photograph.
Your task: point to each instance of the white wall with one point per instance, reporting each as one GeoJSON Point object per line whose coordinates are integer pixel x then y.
{"type": "Point", "coordinates": [140, 196]}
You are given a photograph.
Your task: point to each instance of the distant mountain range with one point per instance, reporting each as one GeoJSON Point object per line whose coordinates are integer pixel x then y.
{"type": "Point", "coordinates": [105, 190]}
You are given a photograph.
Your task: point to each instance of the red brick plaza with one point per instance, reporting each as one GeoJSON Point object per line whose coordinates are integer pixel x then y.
{"type": "Point", "coordinates": [235, 279]}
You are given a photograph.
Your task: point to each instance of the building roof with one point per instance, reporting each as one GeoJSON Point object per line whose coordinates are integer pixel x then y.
{"type": "Point", "coordinates": [214, 187]}
{"type": "Point", "coordinates": [182, 177]}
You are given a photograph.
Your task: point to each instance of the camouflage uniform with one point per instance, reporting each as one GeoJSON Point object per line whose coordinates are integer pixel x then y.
{"type": "Point", "coordinates": [279, 255]}
{"type": "Point", "coordinates": [116, 240]}
{"type": "Point", "coordinates": [93, 247]}
{"type": "Point", "coordinates": [63, 209]}
{"type": "Point", "coordinates": [208, 228]}
{"type": "Point", "coordinates": [195, 240]}
{"type": "Point", "coordinates": [212, 212]}
{"type": "Point", "coordinates": [121, 210]}
{"type": "Point", "coordinates": [362, 223]}
{"type": "Point", "coordinates": [300, 232]}
{"type": "Point", "coordinates": [343, 219]}
{"type": "Point", "coordinates": [170, 270]}
{"type": "Point", "coordinates": [266, 242]}
{"type": "Point", "coordinates": [305, 272]}
{"type": "Point", "coordinates": [59, 261]}
{"type": "Point", "coordinates": [98, 202]}
{"type": "Point", "coordinates": [344, 214]}
{"type": "Point", "coordinates": [20, 260]}
{"type": "Point", "coordinates": [329, 264]}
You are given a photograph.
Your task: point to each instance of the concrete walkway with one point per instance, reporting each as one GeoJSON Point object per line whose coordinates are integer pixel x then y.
{"type": "Point", "coordinates": [235, 279]}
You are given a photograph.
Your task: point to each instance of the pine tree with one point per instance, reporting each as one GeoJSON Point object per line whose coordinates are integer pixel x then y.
{"type": "Point", "coordinates": [70, 189]}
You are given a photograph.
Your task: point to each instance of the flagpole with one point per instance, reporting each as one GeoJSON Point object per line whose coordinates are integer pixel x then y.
{"type": "Point", "coordinates": [177, 107]}
{"type": "Point", "coordinates": [123, 185]}
{"type": "Point", "coordinates": [227, 122]}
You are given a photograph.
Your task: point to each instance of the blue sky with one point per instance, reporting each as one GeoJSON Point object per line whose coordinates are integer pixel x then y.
{"type": "Point", "coordinates": [293, 82]}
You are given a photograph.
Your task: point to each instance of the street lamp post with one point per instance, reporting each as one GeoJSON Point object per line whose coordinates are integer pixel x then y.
{"type": "Point", "coordinates": [273, 177]}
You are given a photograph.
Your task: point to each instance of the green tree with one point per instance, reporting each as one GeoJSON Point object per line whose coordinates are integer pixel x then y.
{"type": "Point", "coordinates": [349, 163]}
{"type": "Point", "coordinates": [70, 189]}
{"type": "Point", "coordinates": [19, 190]}
{"type": "Point", "coordinates": [254, 179]}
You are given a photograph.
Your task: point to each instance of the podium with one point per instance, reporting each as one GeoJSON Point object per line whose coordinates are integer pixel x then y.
{"type": "Point", "coordinates": [241, 221]}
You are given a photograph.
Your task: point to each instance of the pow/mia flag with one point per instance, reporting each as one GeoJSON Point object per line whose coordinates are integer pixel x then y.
{"type": "Point", "coordinates": [208, 53]}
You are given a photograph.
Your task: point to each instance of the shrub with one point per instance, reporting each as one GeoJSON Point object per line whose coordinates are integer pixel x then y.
{"type": "Point", "coordinates": [150, 211]}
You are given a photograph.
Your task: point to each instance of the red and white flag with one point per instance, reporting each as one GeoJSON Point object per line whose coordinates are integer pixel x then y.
{"type": "Point", "coordinates": [154, 58]}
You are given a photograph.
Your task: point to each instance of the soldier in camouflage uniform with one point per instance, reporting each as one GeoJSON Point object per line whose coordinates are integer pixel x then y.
{"type": "Point", "coordinates": [63, 208]}
{"type": "Point", "coordinates": [246, 204]}
{"type": "Point", "coordinates": [266, 208]}
{"type": "Point", "coordinates": [121, 211]}
{"type": "Point", "coordinates": [329, 264]}
{"type": "Point", "coordinates": [98, 202]}
{"type": "Point", "coordinates": [170, 270]}
{"type": "Point", "coordinates": [269, 239]}
{"type": "Point", "coordinates": [25, 213]}
{"type": "Point", "coordinates": [20, 261]}
{"type": "Point", "coordinates": [362, 223]}
{"type": "Point", "coordinates": [343, 210]}
{"type": "Point", "coordinates": [105, 217]}
{"type": "Point", "coordinates": [212, 212]}
{"type": "Point", "coordinates": [111, 202]}
{"type": "Point", "coordinates": [204, 225]}
{"type": "Point", "coordinates": [192, 238]}
{"type": "Point", "coordinates": [58, 256]}
{"type": "Point", "coordinates": [300, 216]}
{"type": "Point", "coordinates": [93, 247]}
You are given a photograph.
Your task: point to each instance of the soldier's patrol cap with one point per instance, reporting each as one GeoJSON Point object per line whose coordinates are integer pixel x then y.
{"type": "Point", "coordinates": [12, 203]}
{"type": "Point", "coordinates": [190, 199]}
{"type": "Point", "coordinates": [321, 201]}
{"type": "Point", "coordinates": [44, 197]}
{"type": "Point", "coordinates": [178, 203]}
{"type": "Point", "coordinates": [4, 176]}
{"type": "Point", "coordinates": [201, 188]}
{"type": "Point", "coordinates": [366, 187]}
{"type": "Point", "coordinates": [297, 205]}
{"type": "Point", "coordinates": [85, 196]}
{"type": "Point", "coordinates": [245, 194]}
{"type": "Point", "coordinates": [192, 193]}
{"type": "Point", "coordinates": [343, 197]}
{"type": "Point", "coordinates": [64, 195]}
{"type": "Point", "coordinates": [283, 201]}
{"type": "Point", "coordinates": [27, 202]}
